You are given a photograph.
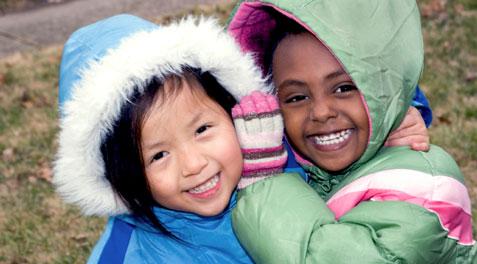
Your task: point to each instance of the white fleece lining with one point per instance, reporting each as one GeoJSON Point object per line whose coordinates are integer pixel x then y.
{"type": "Point", "coordinates": [106, 85]}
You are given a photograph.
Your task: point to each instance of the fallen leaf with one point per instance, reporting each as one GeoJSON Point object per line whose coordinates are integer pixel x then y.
{"type": "Point", "coordinates": [460, 8]}
{"type": "Point", "coordinates": [433, 8]}
{"type": "Point", "coordinates": [471, 76]}
{"type": "Point", "coordinates": [32, 179]}
{"type": "Point", "coordinates": [45, 172]}
{"type": "Point", "coordinates": [444, 120]}
{"type": "Point", "coordinates": [80, 237]}
{"type": "Point", "coordinates": [8, 155]}
{"type": "Point", "coordinates": [27, 104]}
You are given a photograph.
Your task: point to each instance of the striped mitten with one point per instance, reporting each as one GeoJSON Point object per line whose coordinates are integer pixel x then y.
{"type": "Point", "coordinates": [259, 127]}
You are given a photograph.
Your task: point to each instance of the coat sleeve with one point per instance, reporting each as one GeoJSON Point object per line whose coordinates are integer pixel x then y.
{"type": "Point", "coordinates": [283, 220]}
{"type": "Point", "coordinates": [420, 102]}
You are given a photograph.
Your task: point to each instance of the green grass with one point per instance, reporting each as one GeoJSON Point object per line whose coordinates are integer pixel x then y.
{"type": "Point", "coordinates": [37, 227]}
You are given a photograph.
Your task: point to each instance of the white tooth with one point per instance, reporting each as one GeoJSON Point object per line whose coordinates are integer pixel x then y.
{"type": "Point", "coordinates": [333, 138]}
{"type": "Point", "coordinates": [206, 186]}
{"type": "Point", "coordinates": [348, 132]}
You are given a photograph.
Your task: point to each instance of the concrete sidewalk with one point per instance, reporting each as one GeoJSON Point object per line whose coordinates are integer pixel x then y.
{"type": "Point", "coordinates": [53, 24]}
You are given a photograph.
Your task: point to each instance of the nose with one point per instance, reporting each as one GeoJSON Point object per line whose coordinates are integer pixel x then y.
{"type": "Point", "coordinates": [193, 161]}
{"type": "Point", "coordinates": [322, 109]}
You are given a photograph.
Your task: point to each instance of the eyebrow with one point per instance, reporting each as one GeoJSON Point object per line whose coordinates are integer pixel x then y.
{"type": "Point", "coordinates": [195, 119]}
{"type": "Point", "coordinates": [153, 145]}
{"type": "Point", "coordinates": [290, 82]}
{"type": "Point", "coordinates": [293, 82]}
{"type": "Point", "coordinates": [335, 74]}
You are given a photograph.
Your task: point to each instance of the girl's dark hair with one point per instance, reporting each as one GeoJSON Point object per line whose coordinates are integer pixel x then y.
{"type": "Point", "coordinates": [284, 26]}
{"type": "Point", "coordinates": [121, 149]}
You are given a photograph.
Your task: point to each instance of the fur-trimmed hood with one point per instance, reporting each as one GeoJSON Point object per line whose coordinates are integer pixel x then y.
{"type": "Point", "coordinates": [103, 63]}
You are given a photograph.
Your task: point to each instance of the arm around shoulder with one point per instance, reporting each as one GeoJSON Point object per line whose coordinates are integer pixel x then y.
{"type": "Point", "coordinates": [275, 217]}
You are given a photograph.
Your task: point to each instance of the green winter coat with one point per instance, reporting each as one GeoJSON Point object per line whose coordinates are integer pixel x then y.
{"type": "Point", "coordinates": [393, 205]}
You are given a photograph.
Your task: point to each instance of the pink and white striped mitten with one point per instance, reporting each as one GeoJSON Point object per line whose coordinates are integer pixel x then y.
{"type": "Point", "coordinates": [259, 127]}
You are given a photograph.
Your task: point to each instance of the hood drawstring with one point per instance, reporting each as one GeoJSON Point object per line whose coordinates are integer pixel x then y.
{"type": "Point", "coordinates": [322, 183]}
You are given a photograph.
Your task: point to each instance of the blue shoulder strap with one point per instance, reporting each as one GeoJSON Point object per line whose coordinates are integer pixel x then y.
{"type": "Point", "coordinates": [115, 245]}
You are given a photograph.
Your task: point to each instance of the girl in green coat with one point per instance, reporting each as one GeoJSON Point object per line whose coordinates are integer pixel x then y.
{"type": "Point", "coordinates": [345, 73]}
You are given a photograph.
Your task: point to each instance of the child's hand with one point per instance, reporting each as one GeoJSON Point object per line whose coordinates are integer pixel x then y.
{"type": "Point", "coordinates": [259, 127]}
{"type": "Point", "coordinates": [412, 132]}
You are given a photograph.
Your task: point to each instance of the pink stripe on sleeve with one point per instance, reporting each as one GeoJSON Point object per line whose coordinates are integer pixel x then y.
{"type": "Point", "coordinates": [442, 195]}
{"type": "Point", "coordinates": [261, 150]}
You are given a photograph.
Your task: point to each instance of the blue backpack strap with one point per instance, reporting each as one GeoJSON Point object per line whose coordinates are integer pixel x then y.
{"type": "Point", "coordinates": [113, 245]}
{"type": "Point", "coordinates": [420, 102]}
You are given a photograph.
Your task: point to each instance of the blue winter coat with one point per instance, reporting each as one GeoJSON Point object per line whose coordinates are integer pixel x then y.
{"type": "Point", "coordinates": [127, 239]}
{"type": "Point", "coordinates": [104, 64]}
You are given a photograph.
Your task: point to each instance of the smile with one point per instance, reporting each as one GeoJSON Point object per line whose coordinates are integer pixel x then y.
{"type": "Point", "coordinates": [333, 138]}
{"type": "Point", "coordinates": [333, 141]}
{"type": "Point", "coordinates": [206, 188]}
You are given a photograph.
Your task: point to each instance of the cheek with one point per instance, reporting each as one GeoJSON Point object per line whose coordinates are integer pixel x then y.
{"type": "Point", "coordinates": [294, 122]}
{"type": "Point", "coordinates": [231, 150]}
{"type": "Point", "coordinates": [162, 187]}
{"type": "Point", "coordinates": [230, 155]}
{"type": "Point", "coordinates": [360, 117]}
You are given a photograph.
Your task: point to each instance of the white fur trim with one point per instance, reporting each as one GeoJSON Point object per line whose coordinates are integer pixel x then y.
{"type": "Point", "coordinates": [105, 86]}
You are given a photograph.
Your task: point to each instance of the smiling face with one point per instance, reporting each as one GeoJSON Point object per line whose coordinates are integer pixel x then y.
{"type": "Point", "coordinates": [324, 116]}
{"type": "Point", "coordinates": [191, 154]}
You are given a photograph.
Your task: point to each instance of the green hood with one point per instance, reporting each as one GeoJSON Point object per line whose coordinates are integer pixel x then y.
{"type": "Point", "coordinates": [379, 43]}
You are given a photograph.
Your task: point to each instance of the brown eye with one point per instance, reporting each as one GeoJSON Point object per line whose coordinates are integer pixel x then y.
{"type": "Point", "coordinates": [345, 88]}
{"type": "Point", "coordinates": [159, 155]}
{"type": "Point", "coordinates": [202, 129]}
{"type": "Point", "coordinates": [296, 98]}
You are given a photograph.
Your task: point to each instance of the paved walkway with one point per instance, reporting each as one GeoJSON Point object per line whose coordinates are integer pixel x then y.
{"type": "Point", "coordinates": [53, 24]}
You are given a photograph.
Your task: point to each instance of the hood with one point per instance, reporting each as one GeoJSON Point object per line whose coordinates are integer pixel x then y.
{"type": "Point", "coordinates": [378, 42]}
{"type": "Point", "coordinates": [102, 65]}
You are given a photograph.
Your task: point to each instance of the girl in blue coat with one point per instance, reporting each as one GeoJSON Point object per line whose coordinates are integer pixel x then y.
{"type": "Point", "coordinates": [147, 138]}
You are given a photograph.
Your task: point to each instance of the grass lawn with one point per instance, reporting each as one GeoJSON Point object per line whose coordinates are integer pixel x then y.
{"type": "Point", "coordinates": [37, 227]}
